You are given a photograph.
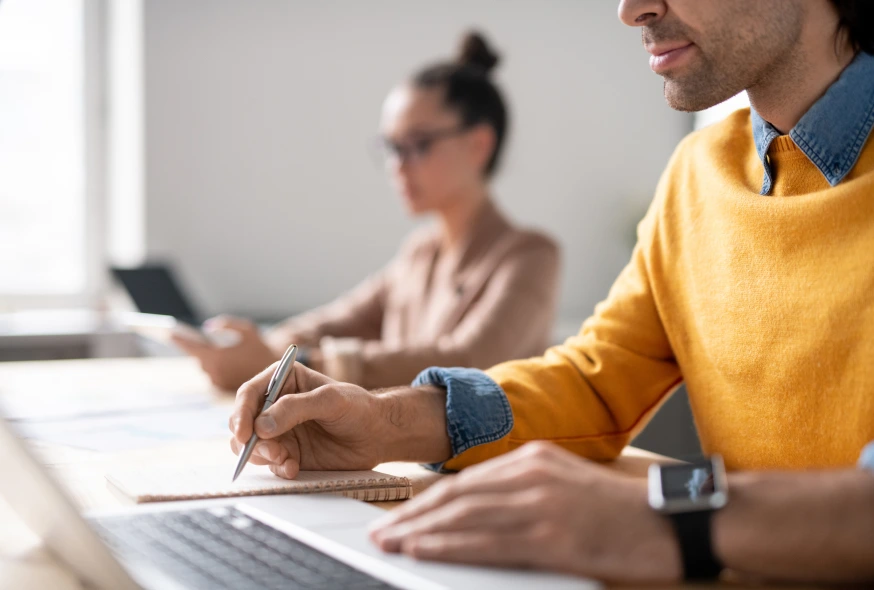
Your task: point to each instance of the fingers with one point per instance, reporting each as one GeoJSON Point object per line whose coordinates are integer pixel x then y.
{"type": "Point", "coordinates": [508, 472]}
{"type": "Point", "coordinates": [307, 380]}
{"type": "Point", "coordinates": [251, 395]}
{"type": "Point", "coordinates": [227, 322]}
{"type": "Point", "coordinates": [287, 470]}
{"type": "Point", "coordinates": [521, 470]}
{"type": "Point", "coordinates": [490, 548]}
{"type": "Point", "coordinates": [283, 460]}
{"type": "Point", "coordinates": [250, 399]}
{"type": "Point", "coordinates": [493, 511]}
{"type": "Point", "coordinates": [255, 458]}
{"type": "Point", "coordinates": [192, 347]}
{"type": "Point", "coordinates": [441, 494]}
{"type": "Point", "coordinates": [325, 403]}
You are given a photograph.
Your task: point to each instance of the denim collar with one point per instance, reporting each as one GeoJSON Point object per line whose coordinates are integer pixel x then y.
{"type": "Point", "coordinates": [833, 131]}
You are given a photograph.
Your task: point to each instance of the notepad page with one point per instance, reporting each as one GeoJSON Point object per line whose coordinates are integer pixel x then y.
{"type": "Point", "coordinates": [197, 482]}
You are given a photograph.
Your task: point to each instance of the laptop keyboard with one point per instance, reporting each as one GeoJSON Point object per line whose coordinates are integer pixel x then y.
{"type": "Point", "coordinates": [224, 548]}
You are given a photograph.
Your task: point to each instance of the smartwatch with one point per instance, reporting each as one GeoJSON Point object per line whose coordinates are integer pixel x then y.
{"type": "Point", "coordinates": [689, 494]}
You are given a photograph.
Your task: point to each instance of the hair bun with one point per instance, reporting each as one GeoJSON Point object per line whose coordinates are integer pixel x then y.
{"type": "Point", "coordinates": [476, 52]}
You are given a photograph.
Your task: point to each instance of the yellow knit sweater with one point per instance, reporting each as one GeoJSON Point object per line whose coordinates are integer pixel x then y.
{"type": "Point", "coordinates": [763, 305]}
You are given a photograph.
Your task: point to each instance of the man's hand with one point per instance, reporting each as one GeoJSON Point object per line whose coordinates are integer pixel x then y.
{"type": "Point", "coordinates": [229, 367]}
{"type": "Point", "coordinates": [539, 507]}
{"type": "Point", "coordinates": [322, 424]}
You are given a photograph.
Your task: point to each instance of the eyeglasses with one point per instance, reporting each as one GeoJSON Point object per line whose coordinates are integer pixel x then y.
{"type": "Point", "coordinates": [418, 147]}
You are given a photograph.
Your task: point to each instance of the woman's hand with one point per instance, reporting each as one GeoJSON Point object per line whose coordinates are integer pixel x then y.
{"type": "Point", "coordinates": [231, 366]}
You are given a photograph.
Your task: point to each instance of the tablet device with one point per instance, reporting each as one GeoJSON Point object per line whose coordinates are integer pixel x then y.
{"type": "Point", "coordinates": [155, 290]}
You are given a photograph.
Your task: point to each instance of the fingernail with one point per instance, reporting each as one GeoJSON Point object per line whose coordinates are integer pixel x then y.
{"type": "Point", "coordinates": [266, 424]}
{"type": "Point", "coordinates": [267, 453]}
{"type": "Point", "coordinates": [235, 425]}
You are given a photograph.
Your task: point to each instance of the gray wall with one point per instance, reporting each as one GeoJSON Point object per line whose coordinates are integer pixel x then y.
{"type": "Point", "coordinates": [259, 114]}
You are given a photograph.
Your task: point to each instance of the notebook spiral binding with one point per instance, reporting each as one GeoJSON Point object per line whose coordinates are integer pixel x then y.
{"type": "Point", "coordinates": [383, 489]}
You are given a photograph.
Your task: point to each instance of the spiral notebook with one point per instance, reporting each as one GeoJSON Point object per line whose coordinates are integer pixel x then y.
{"type": "Point", "coordinates": [194, 483]}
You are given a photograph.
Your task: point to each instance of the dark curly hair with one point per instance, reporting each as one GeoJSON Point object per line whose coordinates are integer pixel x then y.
{"type": "Point", "coordinates": [857, 22]}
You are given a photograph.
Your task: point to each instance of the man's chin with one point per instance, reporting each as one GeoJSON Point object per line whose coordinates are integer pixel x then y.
{"type": "Point", "coordinates": [689, 98]}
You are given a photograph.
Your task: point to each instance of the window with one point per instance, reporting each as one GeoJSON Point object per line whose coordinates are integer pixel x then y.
{"type": "Point", "coordinates": [43, 225]}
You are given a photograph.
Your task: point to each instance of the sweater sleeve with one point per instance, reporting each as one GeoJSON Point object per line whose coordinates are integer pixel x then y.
{"type": "Point", "coordinates": [356, 314]}
{"type": "Point", "coordinates": [593, 393]}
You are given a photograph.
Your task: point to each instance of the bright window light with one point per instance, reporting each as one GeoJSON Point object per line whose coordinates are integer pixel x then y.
{"type": "Point", "coordinates": [42, 148]}
{"type": "Point", "coordinates": [721, 111]}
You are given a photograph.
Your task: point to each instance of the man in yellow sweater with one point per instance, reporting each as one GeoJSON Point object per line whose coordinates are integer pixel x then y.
{"type": "Point", "coordinates": [752, 282]}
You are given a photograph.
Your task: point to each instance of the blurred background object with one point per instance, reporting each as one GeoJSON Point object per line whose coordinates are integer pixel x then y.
{"type": "Point", "coordinates": [230, 138]}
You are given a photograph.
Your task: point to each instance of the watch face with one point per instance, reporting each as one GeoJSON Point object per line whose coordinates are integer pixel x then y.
{"type": "Point", "coordinates": [687, 482]}
{"type": "Point", "coordinates": [688, 487]}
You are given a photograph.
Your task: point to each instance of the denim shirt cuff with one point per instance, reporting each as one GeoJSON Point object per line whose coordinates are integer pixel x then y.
{"type": "Point", "coordinates": [866, 460]}
{"type": "Point", "coordinates": [477, 410]}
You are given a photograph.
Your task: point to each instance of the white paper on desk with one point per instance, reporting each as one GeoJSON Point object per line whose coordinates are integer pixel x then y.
{"type": "Point", "coordinates": [30, 406]}
{"type": "Point", "coordinates": [125, 432]}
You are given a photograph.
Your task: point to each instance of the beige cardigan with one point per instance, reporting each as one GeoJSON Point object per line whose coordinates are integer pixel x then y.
{"type": "Point", "coordinates": [493, 300]}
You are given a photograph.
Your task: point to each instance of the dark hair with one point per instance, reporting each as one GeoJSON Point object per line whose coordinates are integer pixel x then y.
{"type": "Point", "coordinates": [469, 90]}
{"type": "Point", "coordinates": [856, 19]}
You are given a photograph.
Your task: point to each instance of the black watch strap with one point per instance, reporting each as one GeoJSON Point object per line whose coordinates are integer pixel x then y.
{"type": "Point", "coordinates": [693, 532]}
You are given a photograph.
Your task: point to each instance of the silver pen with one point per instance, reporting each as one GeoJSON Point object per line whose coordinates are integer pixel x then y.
{"type": "Point", "coordinates": [277, 381]}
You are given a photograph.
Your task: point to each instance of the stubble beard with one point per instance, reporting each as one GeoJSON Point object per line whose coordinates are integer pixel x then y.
{"type": "Point", "coordinates": [728, 60]}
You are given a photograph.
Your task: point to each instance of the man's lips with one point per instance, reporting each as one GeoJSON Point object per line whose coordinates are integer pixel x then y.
{"type": "Point", "coordinates": [657, 49]}
{"type": "Point", "coordinates": [667, 55]}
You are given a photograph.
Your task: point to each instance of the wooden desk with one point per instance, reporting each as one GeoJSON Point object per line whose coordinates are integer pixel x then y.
{"type": "Point", "coordinates": [23, 562]}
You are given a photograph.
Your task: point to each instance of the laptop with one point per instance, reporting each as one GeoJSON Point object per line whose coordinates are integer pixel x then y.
{"type": "Point", "coordinates": [260, 542]}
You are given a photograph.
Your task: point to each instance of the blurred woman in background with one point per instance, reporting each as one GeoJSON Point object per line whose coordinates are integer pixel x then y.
{"type": "Point", "coordinates": [472, 290]}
